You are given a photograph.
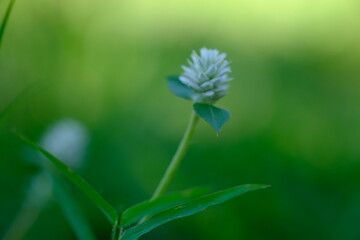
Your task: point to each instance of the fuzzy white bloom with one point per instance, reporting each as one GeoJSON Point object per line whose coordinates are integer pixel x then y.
{"type": "Point", "coordinates": [66, 140]}
{"type": "Point", "coordinates": [207, 75]}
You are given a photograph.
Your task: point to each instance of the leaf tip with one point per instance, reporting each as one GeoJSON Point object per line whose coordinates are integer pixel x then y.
{"type": "Point", "coordinates": [215, 116]}
{"type": "Point", "coordinates": [259, 186]}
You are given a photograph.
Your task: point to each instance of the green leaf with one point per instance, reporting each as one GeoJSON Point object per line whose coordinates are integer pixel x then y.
{"type": "Point", "coordinates": [215, 116]}
{"type": "Point", "coordinates": [188, 209]}
{"type": "Point", "coordinates": [5, 20]}
{"type": "Point", "coordinates": [72, 211]}
{"type": "Point", "coordinates": [78, 181]}
{"type": "Point", "coordinates": [178, 88]}
{"type": "Point", "coordinates": [152, 207]}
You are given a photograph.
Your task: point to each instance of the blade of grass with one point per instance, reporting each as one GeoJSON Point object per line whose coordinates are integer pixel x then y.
{"type": "Point", "coordinates": [5, 20]}
{"type": "Point", "coordinates": [188, 209]}
{"type": "Point", "coordinates": [78, 181]}
{"type": "Point", "coordinates": [160, 204]}
{"type": "Point", "coordinates": [72, 211]}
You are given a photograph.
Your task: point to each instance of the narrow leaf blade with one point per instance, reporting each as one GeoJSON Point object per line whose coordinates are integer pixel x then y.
{"type": "Point", "coordinates": [152, 207]}
{"type": "Point", "coordinates": [188, 209]}
{"type": "Point", "coordinates": [78, 181]}
{"type": "Point", "coordinates": [178, 88]}
{"type": "Point", "coordinates": [215, 116]}
{"type": "Point", "coordinates": [72, 211]}
{"type": "Point", "coordinates": [5, 20]}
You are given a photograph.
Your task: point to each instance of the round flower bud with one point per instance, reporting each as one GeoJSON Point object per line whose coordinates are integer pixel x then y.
{"type": "Point", "coordinates": [207, 75]}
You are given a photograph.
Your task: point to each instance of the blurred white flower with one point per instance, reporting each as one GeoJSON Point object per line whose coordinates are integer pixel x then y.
{"type": "Point", "coordinates": [207, 75]}
{"type": "Point", "coordinates": [67, 140]}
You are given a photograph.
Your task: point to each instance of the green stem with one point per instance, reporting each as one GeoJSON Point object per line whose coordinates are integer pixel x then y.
{"type": "Point", "coordinates": [176, 160]}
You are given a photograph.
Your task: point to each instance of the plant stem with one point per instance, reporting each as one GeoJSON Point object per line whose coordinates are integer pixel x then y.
{"type": "Point", "coordinates": [175, 161]}
{"type": "Point", "coordinates": [179, 154]}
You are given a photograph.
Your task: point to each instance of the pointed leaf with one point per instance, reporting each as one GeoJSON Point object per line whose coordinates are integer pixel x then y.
{"type": "Point", "coordinates": [72, 211]}
{"type": "Point", "coordinates": [152, 207]}
{"type": "Point", "coordinates": [78, 181]}
{"type": "Point", "coordinates": [5, 20]}
{"type": "Point", "coordinates": [188, 209]}
{"type": "Point", "coordinates": [215, 116]}
{"type": "Point", "coordinates": [178, 88]}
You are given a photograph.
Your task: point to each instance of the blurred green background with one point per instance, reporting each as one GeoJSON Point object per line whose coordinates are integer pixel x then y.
{"type": "Point", "coordinates": [295, 107]}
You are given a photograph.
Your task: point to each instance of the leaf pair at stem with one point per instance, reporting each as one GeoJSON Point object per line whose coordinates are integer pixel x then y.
{"type": "Point", "coordinates": [215, 116]}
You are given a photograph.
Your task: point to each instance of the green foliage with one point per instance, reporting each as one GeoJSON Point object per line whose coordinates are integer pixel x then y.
{"type": "Point", "coordinates": [178, 88]}
{"type": "Point", "coordinates": [72, 211]}
{"type": "Point", "coordinates": [78, 181]}
{"type": "Point", "coordinates": [155, 212]}
{"type": "Point", "coordinates": [155, 206]}
{"type": "Point", "coordinates": [5, 20]}
{"type": "Point", "coordinates": [215, 116]}
{"type": "Point", "coordinates": [187, 209]}
{"type": "Point", "coordinates": [296, 95]}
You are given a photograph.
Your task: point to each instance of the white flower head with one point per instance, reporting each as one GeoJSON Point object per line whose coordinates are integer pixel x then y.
{"type": "Point", "coordinates": [207, 75]}
{"type": "Point", "coordinates": [66, 140]}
